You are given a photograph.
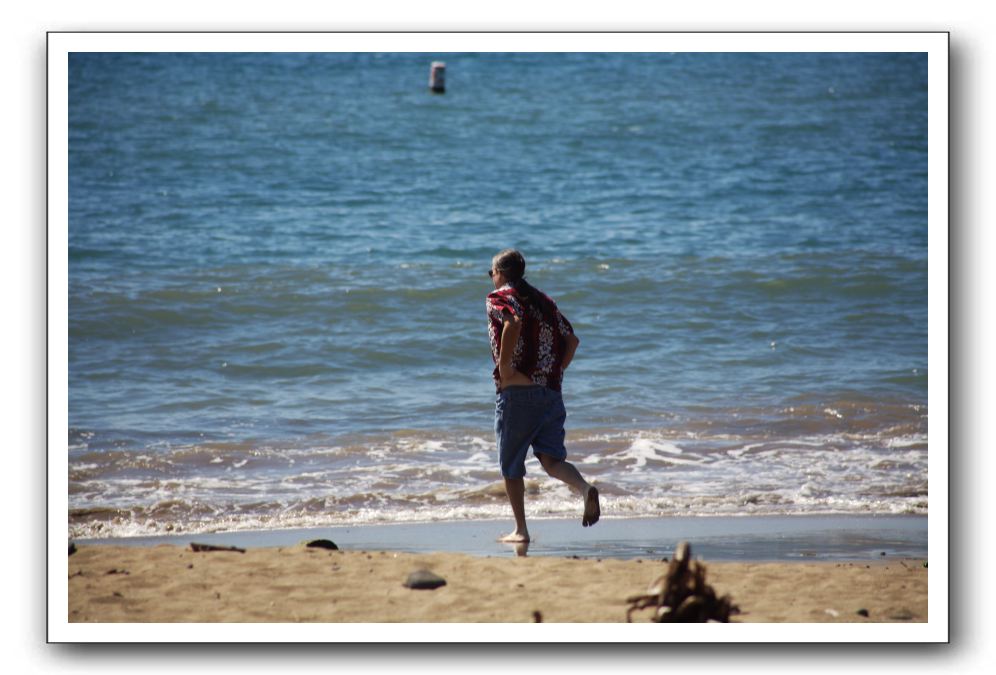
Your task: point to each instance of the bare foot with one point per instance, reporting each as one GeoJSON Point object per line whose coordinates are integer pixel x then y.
{"type": "Point", "coordinates": [592, 512]}
{"type": "Point", "coordinates": [515, 538]}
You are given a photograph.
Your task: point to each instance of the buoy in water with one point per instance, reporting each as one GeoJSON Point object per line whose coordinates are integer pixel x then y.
{"type": "Point", "coordinates": [437, 77]}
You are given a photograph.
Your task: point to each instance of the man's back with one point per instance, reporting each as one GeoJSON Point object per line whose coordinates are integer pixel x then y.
{"type": "Point", "coordinates": [540, 348]}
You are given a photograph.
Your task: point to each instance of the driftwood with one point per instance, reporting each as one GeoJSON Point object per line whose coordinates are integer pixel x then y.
{"type": "Point", "coordinates": [201, 548]}
{"type": "Point", "coordinates": [682, 595]}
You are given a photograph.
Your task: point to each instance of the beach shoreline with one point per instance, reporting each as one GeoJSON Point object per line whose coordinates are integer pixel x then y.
{"type": "Point", "coordinates": [719, 538]}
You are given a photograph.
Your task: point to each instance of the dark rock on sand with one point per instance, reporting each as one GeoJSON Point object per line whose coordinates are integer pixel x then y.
{"type": "Point", "coordinates": [322, 543]}
{"type": "Point", "coordinates": [862, 612]}
{"type": "Point", "coordinates": [72, 549]}
{"type": "Point", "coordinates": [424, 580]}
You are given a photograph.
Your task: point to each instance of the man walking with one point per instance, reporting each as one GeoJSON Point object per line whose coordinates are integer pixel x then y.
{"type": "Point", "coordinates": [532, 344]}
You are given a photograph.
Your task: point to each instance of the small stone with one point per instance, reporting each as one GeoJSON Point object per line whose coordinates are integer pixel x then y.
{"type": "Point", "coordinates": [924, 564]}
{"type": "Point", "coordinates": [537, 617]}
{"type": "Point", "coordinates": [72, 549]}
{"type": "Point", "coordinates": [190, 566]}
{"type": "Point", "coordinates": [322, 543]}
{"type": "Point", "coordinates": [424, 580]}
{"type": "Point", "coordinates": [862, 612]}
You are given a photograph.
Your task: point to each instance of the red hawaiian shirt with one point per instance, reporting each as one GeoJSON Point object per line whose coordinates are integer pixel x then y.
{"type": "Point", "coordinates": [539, 351]}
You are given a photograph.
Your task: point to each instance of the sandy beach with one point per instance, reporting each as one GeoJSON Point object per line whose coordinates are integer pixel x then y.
{"type": "Point", "coordinates": [172, 583]}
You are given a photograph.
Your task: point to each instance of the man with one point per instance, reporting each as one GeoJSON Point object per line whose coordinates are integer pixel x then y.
{"type": "Point", "coordinates": [531, 344]}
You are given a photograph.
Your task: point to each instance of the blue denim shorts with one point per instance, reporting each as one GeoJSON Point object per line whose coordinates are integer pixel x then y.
{"type": "Point", "coordinates": [524, 416]}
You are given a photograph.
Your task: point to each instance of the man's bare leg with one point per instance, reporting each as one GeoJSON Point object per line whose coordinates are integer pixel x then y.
{"type": "Point", "coordinates": [515, 489]}
{"type": "Point", "coordinates": [566, 472]}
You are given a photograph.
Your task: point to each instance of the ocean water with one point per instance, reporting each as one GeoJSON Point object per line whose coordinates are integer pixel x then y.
{"type": "Point", "coordinates": [278, 265]}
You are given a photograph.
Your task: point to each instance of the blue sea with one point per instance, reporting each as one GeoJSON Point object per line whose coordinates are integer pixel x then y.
{"type": "Point", "coordinates": [278, 266]}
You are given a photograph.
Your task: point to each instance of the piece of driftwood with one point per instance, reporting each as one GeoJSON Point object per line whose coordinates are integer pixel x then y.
{"type": "Point", "coordinates": [681, 595]}
{"type": "Point", "coordinates": [203, 548]}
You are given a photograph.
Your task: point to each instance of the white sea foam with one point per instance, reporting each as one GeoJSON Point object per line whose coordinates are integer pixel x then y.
{"type": "Point", "coordinates": [643, 450]}
{"type": "Point", "coordinates": [906, 441]}
{"type": "Point", "coordinates": [641, 473]}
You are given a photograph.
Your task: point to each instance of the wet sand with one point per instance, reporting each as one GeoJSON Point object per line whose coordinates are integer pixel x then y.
{"type": "Point", "coordinates": [833, 538]}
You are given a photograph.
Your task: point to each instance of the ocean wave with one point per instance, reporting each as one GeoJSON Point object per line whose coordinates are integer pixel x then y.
{"type": "Point", "coordinates": [421, 474]}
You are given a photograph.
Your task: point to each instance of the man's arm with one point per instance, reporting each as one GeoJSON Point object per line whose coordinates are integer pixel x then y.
{"type": "Point", "coordinates": [508, 375]}
{"type": "Point", "coordinates": [569, 349]}
{"type": "Point", "coordinates": [511, 328]}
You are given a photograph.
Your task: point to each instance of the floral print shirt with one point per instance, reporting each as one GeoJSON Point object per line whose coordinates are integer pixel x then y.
{"type": "Point", "coordinates": [540, 348]}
